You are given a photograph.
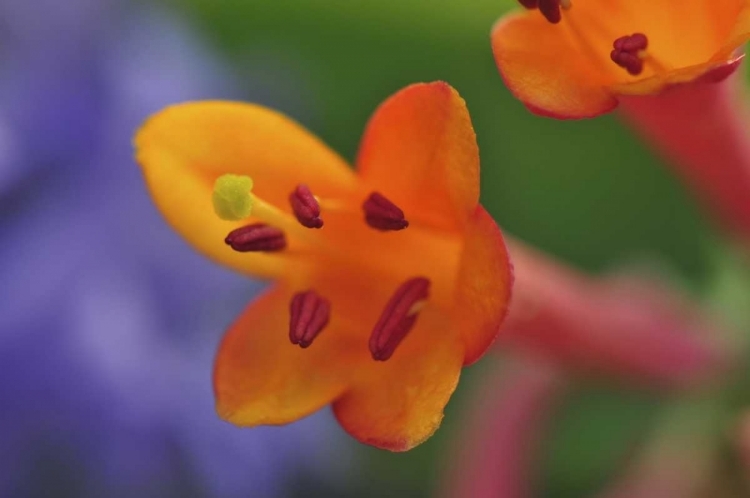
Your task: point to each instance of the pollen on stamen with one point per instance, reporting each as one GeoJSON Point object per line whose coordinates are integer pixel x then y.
{"type": "Point", "coordinates": [309, 315]}
{"type": "Point", "coordinates": [398, 317]}
{"type": "Point", "coordinates": [231, 197]}
{"type": "Point", "coordinates": [628, 52]}
{"type": "Point", "coordinates": [257, 237]}
{"type": "Point", "coordinates": [382, 214]}
{"type": "Point", "coordinates": [306, 207]}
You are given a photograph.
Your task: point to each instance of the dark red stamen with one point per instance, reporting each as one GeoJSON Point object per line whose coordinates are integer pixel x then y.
{"type": "Point", "coordinates": [398, 318]}
{"type": "Point", "coordinates": [382, 214]}
{"type": "Point", "coordinates": [625, 53]}
{"type": "Point", "coordinates": [306, 207]}
{"type": "Point", "coordinates": [309, 315]}
{"type": "Point", "coordinates": [256, 237]}
{"type": "Point", "coordinates": [550, 9]}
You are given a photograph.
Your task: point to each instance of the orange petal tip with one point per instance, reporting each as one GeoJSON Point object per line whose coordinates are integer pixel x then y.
{"type": "Point", "coordinates": [484, 285]}
{"type": "Point", "coordinates": [527, 54]}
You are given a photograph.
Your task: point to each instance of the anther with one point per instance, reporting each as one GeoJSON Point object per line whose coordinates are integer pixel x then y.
{"type": "Point", "coordinates": [382, 214]}
{"type": "Point", "coordinates": [550, 9]}
{"type": "Point", "coordinates": [256, 237]}
{"type": "Point", "coordinates": [306, 207]}
{"type": "Point", "coordinates": [627, 52]}
{"type": "Point", "coordinates": [398, 318]}
{"type": "Point", "coordinates": [309, 315]}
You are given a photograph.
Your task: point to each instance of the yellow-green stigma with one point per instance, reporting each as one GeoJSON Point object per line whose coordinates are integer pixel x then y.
{"type": "Point", "coordinates": [232, 199]}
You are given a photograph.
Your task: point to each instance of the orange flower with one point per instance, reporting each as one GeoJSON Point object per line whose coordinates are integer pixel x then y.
{"type": "Point", "coordinates": [573, 59]}
{"type": "Point", "coordinates": [423, 278]}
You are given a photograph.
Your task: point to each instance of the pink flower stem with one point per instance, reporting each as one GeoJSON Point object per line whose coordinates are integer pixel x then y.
{"type": "Point", "coordinates": [702, 129]}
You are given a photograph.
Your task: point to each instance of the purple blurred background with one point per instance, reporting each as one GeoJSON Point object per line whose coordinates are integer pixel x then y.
{"type": "Point", "coordinates": [108, 321]}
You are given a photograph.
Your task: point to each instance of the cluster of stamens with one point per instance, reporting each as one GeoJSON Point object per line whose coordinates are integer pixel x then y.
{"type": "Point", "coordinates": [309, 311]}
{"type": "Point", "coordinates": [550, 9]}
{"type": "Point", "coordinates": [628, 52]}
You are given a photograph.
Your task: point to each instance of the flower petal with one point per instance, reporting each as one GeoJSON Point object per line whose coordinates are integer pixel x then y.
{"type": "Point", "coordinates": [680, 34]}
{"type": "Point", "coordinates": [484, 285]}
{"type": "Point", "coordinates": [260, 377]}
{"type": "Point", "coordinates": [740, 32]}
{"type": "Point", "coordinates": [543, 69]}
{"type": "Point", "coordinates": [420, 151]}
{"type": "Point", "coordinates": [184, 148]}
{"type": "Point", "coordinates": [398, 404]}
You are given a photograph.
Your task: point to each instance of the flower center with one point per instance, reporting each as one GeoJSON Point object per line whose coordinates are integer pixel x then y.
{"type": "Point", "coordinates": [309, 311]}
{"type": "Point", "coordinates": [629, 51]}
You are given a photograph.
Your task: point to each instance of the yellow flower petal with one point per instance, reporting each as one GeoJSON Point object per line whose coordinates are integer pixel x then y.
{"type": "Point", "coordinates": [184, 148]}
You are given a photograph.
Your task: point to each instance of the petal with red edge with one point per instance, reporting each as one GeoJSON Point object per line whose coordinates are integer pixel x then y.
{"type": "Point", "coordinates": [543, 69]}
{"type": "Point", "coordinates": [398, 404]}
{"type": "Point", "coordinates": [184, 148]}
{"type": "Point", "coordinates": [484, 285]}
{"type": "Point", "coordinates": [420, 151]}
{"type": "Point", "coordinates": [709, 72]}
{"type": "Point", "coordinates": [260, 377]}
{"type": "Point", "coordinates": [739, 34]}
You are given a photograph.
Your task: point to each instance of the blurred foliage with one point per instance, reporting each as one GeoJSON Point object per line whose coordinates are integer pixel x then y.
{"type": "Point", "coordinates": [576, 462]}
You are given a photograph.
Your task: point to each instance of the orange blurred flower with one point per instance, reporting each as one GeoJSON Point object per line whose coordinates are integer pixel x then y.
{"type": "Point", "coordinates": [574, 59]}
{"type": "Point", "coordinates": [422, 276]}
